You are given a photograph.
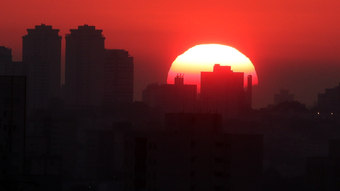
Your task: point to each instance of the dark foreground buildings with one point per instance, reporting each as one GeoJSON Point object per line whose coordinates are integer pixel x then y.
{"type": "Point", "coordinates": [192, 153]}
{"type": "Point", "coordinates": [52, 145]}
{"type": "Point", "coordinates": [81, 146]}
{"type": "Point", "coordinates": [12, 126]}
{"type": "Point", "coordinates": [323, 172]}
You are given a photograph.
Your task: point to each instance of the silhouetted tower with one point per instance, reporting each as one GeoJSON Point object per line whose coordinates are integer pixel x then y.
{"type": "Point", "coordinates": [84, 66]}
{"type": "Point", "coordinates": [118, 77]}
{"type": "Point", "coordinates": [41, 55]}
{"type": "Point", "coordinates": [249, 90]}
{"type": "Point", "coordinates": [222, 90]}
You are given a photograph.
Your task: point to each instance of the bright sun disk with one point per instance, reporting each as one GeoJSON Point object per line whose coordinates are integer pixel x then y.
{"type": "Point", "coordinates": [203, 57]}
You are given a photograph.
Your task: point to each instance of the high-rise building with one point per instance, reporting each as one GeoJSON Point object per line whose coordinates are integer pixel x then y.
{"type": "Point", "coordinates": [41, 55]}
{"type": "Point", "coordinates": [84, 66]}
{"type": "Point", "coordinates": [178, 97]}
{"type": "Point", "coordinates": [118, 77]}
{"type": "Point", "coordinates": [222, 91]}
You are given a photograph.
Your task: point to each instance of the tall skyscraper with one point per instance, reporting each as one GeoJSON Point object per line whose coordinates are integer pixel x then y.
{"type": "Point", "coordinates": [41, 55]}
{"type": "Point", "coordinates": [222, 90]}
{"type": "Point", "coordinates": [118, 77]}
{"type": "Point", "coordinates": [84, 68]}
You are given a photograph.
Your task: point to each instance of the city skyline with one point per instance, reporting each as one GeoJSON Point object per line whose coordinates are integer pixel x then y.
{"type": "Point", "coordinates": [91, 134]}
{"type": "Point", "coordinates": [94, 76]}
{"type": "Point", "coordinates": [284, 39]}
{"type": "Point", "coordinates": [259, 99]}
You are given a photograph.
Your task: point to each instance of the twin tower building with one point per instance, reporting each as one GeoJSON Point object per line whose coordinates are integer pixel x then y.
{"type": "Point", "coordinates": [94, 76]}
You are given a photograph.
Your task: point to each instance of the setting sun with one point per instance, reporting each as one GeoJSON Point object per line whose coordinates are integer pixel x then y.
{"type": "Point", "coordinates": [202, 58]}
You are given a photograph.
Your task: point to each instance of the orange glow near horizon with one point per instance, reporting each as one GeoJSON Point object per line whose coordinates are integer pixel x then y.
{"type": "Point", "coordinates": [202, 58]}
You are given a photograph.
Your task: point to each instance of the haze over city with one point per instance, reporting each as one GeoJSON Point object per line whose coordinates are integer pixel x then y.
{"type": "Point", "coordinates": [286, 40]}
{"type": "Point", "coordinates": [169, 95]}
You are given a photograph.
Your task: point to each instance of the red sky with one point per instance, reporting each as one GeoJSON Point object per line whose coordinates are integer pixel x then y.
{"type": "Point", "coordinates": [293, 44]}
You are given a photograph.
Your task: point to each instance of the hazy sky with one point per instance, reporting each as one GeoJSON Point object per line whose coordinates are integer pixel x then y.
{"type": "Point", "coordinates": [293, 44]}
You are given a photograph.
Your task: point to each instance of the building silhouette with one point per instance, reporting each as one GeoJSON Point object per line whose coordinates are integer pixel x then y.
{"type": "Point", "coordinates": [192, 153]}
{"type": "Point", "coordinates": [41, 49]}
{"type": "Point", "coordinates": [12, 126]}
{"type": "Point", "coordinates": [177, 97]}
{"type": "Point", "coordinates": [5, 55]}
{"type": "Point", "coordinates": [283, 96]}
{"type": "Point", "coordinates": [249, 92]}
{"type": "Point", "coordinates": [323, 172]}
{"type": "Point", "coordinates": [118, 77]}
{"type": "Point", "coordinates": [222, 91]}
{"type": "Point", "coordinates": [5, 60]}
{"type": "Point", "coordinates": [334, 155]}
{"type": "Point", "coordinates": [329, 101]}
{"type": "Point", "coordinates": [175, 140]}
{"type": "Point", "coordinates": [7, 66]}
{"type": "Point", "coordinates": [84, 66]}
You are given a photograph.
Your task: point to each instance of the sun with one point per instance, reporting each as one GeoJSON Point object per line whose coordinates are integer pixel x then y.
{"type": "Point", "coordinates": [203, 57]}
